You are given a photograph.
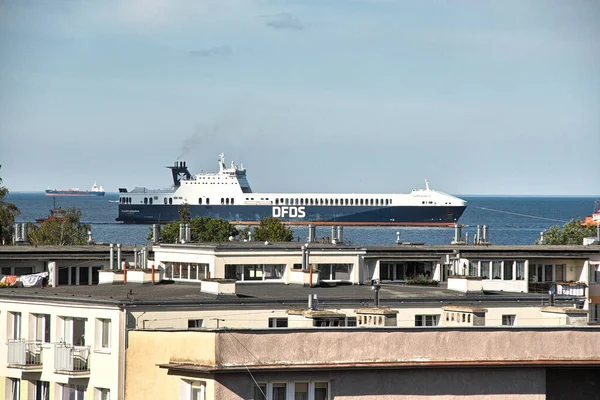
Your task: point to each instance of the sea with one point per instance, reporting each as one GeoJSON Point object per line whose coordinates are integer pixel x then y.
{"type": "Point", "coordinates": [512, 220]}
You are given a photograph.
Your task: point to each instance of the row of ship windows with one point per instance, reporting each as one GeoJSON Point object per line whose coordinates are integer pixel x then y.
{"type": "Point", "coordinates": [320, 201]}
{"type": "Point", "coordinates": [331, 202]}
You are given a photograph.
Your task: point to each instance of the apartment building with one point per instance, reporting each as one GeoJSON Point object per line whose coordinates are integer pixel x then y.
{"type": "Point", "coordinates": [364, 363]}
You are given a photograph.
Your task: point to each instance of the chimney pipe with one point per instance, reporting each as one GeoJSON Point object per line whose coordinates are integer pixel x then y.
{"type": "Point", "coordinates": [155, 233]}
{"type": "Point", "coordinates": [333, 233]}
{"type": "Point", "coordinates": [311, 233]}
{"type": "Point", "coordinates": [181, 233]}
{"type": "Point", "coordinates": [478, 237]}
{"type": "Point", "coordinates": [485, 234]}
{"type": "Point", "coordinates": [397, 237]}
{"type": "Point", "coordinates": [188, 232]}
{"type": "Point", "coordinates": [24, 232]}
{"type": "Point", "coordinates": [119, 265]}
{"type": "Point", "coordinates": [112, 257]}
{"type": "Point", "coordinates": [340, 234]}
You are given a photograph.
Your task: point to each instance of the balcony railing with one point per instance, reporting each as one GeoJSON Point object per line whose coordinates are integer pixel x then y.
{"type": "Point", "coordinates": [71, 359]}
{"type": "Point", "coordinates": [24, 353]}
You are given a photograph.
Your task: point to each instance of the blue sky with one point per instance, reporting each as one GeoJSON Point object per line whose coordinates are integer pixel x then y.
{"type": "Point", "coordinates": [495, 97]}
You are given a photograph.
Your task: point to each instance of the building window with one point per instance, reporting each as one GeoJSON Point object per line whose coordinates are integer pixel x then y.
{"type": "Point", "coordinates": [42, 327]}
{"type": "Point", "coordinates": [508, 320]}
{"type": "Point", "coordinates": [13, 389]}
{"type": "Point", "coordinates": [427, 320]}
{"type": "Point", "coordinates": [195, 323]}
{"type": "Point", "coordinates": [350, 321]}
{"type": "Point", "coordinates": [496, 269]}
{"type": "Point", "coordinates": [101, 394]}
{"type": "Point", "coordinates": [14, 329]}
{"type": "Point", "coordinates": [301, 391]}
{"type": "Point", "coordinates": [278, 322]}
{"type": "Point", "coordinates": [321, 391]}
{"type": "Point", "coordinates": [42, 390]}
{"type": "Point", "coordinates": [260, 391]}
{"type": "Point", "coordinates": [520, 270]}
{"type": "Point", "coordinates": [103, 333]}
{"type": "Point", "coordinates": [72, 392]}
{"type": "Point", "coordinates": [508, 270]}
{"type": "Point", "coordinates": [279, 391]}
{"type": "Point", "coordinates": [192, 390]}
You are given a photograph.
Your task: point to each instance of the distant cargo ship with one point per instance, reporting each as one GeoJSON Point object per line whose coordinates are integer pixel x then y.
{"type": "Point", "coordinates": [95, 191]}
{"type": "Point", "coordinates": [227, 194]}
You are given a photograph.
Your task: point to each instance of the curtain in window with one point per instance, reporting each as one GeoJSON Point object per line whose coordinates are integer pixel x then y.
{"type": "Point", "coordinates": [496, 267]}
{"type": "Point", "coordinates": [301, 391]}
{"type": "Point", "coordinates": [321, 391]}
{"type": "Point", "coordinates": [520, 270]}
{"type": "Point", "coordinates": [278, 391]}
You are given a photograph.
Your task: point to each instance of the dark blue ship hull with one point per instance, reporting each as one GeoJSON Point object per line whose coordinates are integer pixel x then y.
{"type": "Point", "coordinates": [299, 215]}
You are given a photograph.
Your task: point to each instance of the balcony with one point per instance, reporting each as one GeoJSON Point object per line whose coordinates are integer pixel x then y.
{"type": "Point", "coordinates": [71, 360]}
{"type": "Point", "coordinates": [25, 354]}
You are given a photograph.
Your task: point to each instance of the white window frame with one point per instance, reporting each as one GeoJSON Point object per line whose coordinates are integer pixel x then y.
{"type": "Point", "coordinates": [189, 387]}
{"type": "Point", "coordinates": [13, 389]}
{"type": "Point", "coordinates": [15, 326]}
{"type": "Point", "coordinates": [101, 394]}
{"type": "Point", "coordinates": [80, 392]}
{"type": "Point", "coordinates": [103, 334]}
{"type": "Point", "coordinates": [434, 318]}
{"type": "Point", "coordinates": [510, 318]}
{"type": "Point", "coordinates": [198, 323]}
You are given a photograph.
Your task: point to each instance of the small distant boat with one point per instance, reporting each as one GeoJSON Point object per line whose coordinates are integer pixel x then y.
{"type": "Point", "coordinates": [54, 215]}
{"type": "Point", "coordinates": [95, 191]}
{"type": "Point", "coordinates": [594, 219]}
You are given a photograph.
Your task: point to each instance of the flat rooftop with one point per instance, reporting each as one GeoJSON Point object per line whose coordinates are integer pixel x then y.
{"type": "Point", "coordinates": [272, 294]}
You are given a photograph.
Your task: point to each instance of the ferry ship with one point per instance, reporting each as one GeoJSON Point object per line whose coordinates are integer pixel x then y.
{"type": "Point", "coordinates": [95, 191]}
{"type": "Point", "coordinates": [226, 194]}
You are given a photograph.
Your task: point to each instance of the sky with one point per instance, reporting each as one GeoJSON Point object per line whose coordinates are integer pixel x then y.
{"type": "Point", "coordinates": [374, 96]}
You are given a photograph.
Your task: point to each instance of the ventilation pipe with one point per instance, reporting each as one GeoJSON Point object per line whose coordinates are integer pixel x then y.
{"type": "Point", "coordinates": [397, 237]}
{"type": "Point", "coordinates": [311, 233]}
{"type": "Point", "coordinates": [485, 234]}
{"type": "Point", "coordinates": [135, 258]}
{"type": "Point", "coordinates": [119, 255]}
{"type": "Point", "coordinates": [17, 236]}
{"type": "Point", "coordinates": [310, 302]}
{"type": "Point", "coordinates": [478, 237]}
{"type": "Point", "coordinates": [542, 241]}
{"type": "Point", "coordinates": [112, 256]}
{"type": "Point", "coordinates": [181, 233]}
{"type": "Point", "coordinates": [304, 266]}
{"type": "Point", "coordinates": [144, 258]}
{"type": "Point", "coordinates": [188, 232]}
{"type": "Point", "coordinates": [457, 234]}
{"type": "Point", "coordinates": [24, 232]}
{"type": "Point", "coordinates": [155, 233]}
{"type": "Point", "coordinates": [333, 235]}
{"type": "Point", "coordinates": [90, 238]}
{"type": "Point", "coordinates": [340, 234]}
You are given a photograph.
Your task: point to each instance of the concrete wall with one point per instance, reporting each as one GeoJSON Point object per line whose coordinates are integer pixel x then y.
{"type": "Point", "coordinates": [147, 381]}
{"type": "Point", "coordinates": [414, 346]}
